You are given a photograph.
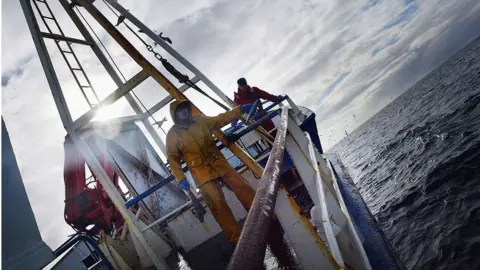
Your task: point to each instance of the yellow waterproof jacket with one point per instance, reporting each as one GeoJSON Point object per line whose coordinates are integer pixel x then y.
{"type": "Point", "coordinates": [196, 146]}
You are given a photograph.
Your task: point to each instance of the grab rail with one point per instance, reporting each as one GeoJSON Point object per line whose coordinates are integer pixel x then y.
{"type": "Point", "coordinates": [251, 247]}
{"type": "Point", "coordinates": [88, 240]}
{"type": "Point", "coordinates": [325, 217]}
{"type": "Point", "coordinates": [253, 109]}
{"type": "Point", "coordinates": [270, 115]}
{"type": "Point", "coordinates": [278, 101]}
{"type": "Point", "coordinates": [149, 191]}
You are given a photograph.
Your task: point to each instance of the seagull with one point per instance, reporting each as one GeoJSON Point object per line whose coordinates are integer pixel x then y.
{"type": "Point", "coordinates": [160, 123]}
{"type": "Point", "coordinates": [167, 39]}
{"type": "Point", "coordinates": [121, 18]}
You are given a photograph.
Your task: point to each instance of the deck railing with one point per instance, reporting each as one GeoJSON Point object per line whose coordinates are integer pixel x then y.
{"type": "Point", "coordinates": [250, 250]}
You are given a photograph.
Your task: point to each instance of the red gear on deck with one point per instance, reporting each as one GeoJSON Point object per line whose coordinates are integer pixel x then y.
{"type": "Point", "coordinates": [85, 205]}
{"type": "Point", "coordinates": [242, 97]}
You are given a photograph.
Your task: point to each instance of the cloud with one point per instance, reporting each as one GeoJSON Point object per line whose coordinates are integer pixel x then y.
{"type": "Point", "coordinates": [332, 86]}
{"type": "Point", "coordinates": [416, 52]}
{"type": "Point", "coordinates": [405, 16]}
{"type": "Point", "coordinates": [391, 42]}
{"type": "Point", "coordinates": [6, 78]}
{"type": "Point", "coordinates": [350, 58]}
{"type": "Point", "coordinates": [370, 4]}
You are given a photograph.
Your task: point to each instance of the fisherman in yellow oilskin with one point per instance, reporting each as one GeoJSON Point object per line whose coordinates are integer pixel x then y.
{"type": "Point", "coordinates": [191, 139]}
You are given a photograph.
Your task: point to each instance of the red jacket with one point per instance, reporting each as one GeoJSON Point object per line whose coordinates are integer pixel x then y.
{"type": "Point", "coordinates": [242, 97]}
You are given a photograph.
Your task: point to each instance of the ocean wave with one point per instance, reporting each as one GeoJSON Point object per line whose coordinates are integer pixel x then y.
{"type": "Point", "coordinates": [417, 165]}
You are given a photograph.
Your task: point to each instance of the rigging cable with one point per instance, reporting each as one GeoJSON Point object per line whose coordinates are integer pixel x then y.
{"type": "Point", "coordinates": [182, 78]}
{"type": "Point", "coordinates": [121, 74]}
{"type": "Point", "coordinates": [114, 63]}
{"type": "Point", "coordinates": [167, 238]}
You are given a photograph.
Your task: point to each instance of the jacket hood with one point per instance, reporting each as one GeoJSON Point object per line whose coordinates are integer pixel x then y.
{"type": "Point", "coordinates": [173, 108]}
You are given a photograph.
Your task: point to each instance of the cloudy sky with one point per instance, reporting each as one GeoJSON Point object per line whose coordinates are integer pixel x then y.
{"type": "Point", "coordinates": [340, 58]}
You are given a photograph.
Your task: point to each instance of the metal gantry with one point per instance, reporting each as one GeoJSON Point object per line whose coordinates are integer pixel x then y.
{"type": "Point", "coordinates": [198, 75]}
{"type": "Point", "coordinates": [73, 127]}
{"type": "Point", "coordinates": [60, 39]}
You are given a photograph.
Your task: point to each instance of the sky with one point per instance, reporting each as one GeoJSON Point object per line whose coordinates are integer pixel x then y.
{"type": "Point", "coordinates": [345, 60]}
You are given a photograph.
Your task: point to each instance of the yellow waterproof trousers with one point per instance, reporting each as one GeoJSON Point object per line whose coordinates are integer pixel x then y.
{"type": "Point", "coordinates": [213, 195]}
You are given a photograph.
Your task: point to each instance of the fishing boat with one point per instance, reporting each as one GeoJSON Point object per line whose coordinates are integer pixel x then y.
{"type": "Point", "coordinates": [121, 199]}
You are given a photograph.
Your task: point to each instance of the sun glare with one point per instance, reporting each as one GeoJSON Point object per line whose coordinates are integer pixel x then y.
{"type": "Point", "coordinates": [105, 114]}
{"type": "Point", "coordinates": [106, 123]}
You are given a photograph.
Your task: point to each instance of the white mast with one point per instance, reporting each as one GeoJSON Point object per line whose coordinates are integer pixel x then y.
{"type": "Point", "coordinates": [124, 89]}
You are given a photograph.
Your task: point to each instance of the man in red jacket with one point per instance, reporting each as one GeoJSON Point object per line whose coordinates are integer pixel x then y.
{"type": "Point", "coordinates": [248, 95]}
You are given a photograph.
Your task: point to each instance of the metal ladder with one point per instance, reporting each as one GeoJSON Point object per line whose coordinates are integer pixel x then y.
{"type": "Point", "coordinates": [74, 65]}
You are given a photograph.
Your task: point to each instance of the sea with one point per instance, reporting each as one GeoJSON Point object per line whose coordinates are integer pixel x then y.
{"type": "Point", "coordinates": [417, 165]}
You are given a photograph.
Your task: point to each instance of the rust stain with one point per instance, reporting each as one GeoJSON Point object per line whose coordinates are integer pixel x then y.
{"type": "Point", "coordinates": [312, 230]}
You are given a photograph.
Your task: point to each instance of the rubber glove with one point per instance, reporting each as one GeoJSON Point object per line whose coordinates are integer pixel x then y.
{"type": "Point", "coordinates": [246, 108]}
{"type": "Point", "coordinates": [228, 133]}
{"type": "Point", "coordinates": [234, 123]}
{"type": "Point", "coordinates": [184, 184]}
{"type": "Point", "coordinates": [280, 98]}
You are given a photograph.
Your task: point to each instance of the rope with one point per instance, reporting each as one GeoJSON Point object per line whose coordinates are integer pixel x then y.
{"type": "Point", "coordinates": [194, 86]}
{"type": "Point", "coordinates": [115, 13]}
{"type": "Point", "coordinates": [182, 78]}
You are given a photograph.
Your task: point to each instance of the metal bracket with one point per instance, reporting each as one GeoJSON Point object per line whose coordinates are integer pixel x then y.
{"type": "Point", "coordinates": [116, 95]}
{"type": "Point", "coordinates": [64, 38]}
